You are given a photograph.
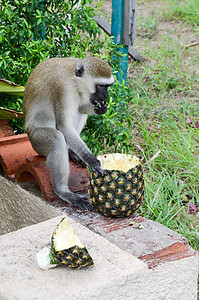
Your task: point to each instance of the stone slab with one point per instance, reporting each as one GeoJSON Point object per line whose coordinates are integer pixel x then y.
{"type": "Point", "coordinates": [167, 267]}
{"type": "Point", "coordinates": [116, 274]}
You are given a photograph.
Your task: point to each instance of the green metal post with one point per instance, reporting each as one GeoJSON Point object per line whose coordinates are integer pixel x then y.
{"type": "Point", "coordinates": [117, 33]}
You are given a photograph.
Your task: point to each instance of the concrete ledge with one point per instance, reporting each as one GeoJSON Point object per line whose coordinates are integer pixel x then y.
{"type": "Point", "coordinates": [19, 208]}
{"type": "Point", "coordinates": [151, 263]}
{"type": "Point", "coordinates": [21, 278]}
{"type": "Point", "coordinates": [117, 274]}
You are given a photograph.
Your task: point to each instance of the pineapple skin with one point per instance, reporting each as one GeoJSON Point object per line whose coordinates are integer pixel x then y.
{"type": "Point", "coordinates": [117, 193]}
{"type": "Point", "coordinates": [74, 257]}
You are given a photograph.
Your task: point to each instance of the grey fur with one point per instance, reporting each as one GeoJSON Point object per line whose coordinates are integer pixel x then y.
{"type": "Point", "coordinates": [56, 104]}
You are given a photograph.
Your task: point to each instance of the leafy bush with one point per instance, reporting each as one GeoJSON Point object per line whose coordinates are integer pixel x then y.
{"type": "Point", "coordinates": [31, 31]}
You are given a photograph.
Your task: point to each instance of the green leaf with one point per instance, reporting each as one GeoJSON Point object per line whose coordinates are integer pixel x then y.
{"type": "Point", "coordinates": [26, 23]}
{"type": "Point", "coordinates": [8, 114]}
{"type": "Point", "coordinates": [8, 87]}
{"type": "Point", "coordinates": [156, 211]}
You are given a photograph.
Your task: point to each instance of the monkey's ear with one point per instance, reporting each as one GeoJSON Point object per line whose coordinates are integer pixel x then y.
{"type": "Point", "coordinates": [79, 71]}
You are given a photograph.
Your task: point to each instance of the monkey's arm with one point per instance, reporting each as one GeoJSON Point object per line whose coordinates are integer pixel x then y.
{"type": "Point", "coordinates": [75, 158]}
{"type": "Point", "coordinates": [74, 141]}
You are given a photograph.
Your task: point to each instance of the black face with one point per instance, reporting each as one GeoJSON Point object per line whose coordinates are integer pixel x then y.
{"type": "Point", "coordinates": [98, 99]}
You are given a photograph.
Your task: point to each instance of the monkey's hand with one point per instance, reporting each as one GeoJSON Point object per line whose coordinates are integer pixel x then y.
{"type": "Point", "coordinates": [97, 168]}
{"type": "Point", "coordinates": [99, 171]}
{"type": "Point", "coordinates": [100, 108]}
{"type": "Point", "coordinates": [93, 163]}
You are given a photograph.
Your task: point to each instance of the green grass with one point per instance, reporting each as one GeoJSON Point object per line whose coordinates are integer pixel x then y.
{"type": "Point", "coordinates": [147, 27]}
{"type": "Point", "coordinates": [163, 93]}
{"type": "Point", "coordinates": [186, 10]}
{"type": "Point", "coordinates": [174, 172]}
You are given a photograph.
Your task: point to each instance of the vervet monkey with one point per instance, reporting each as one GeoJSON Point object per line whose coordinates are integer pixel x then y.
{"type": "Point", "coordinates": [59, 95]}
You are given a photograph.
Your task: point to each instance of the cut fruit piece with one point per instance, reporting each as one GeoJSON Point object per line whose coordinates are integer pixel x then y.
{"type": "Point", "coordinates": [120, 190]}
{"type": "Point", "coordinates": [74, 257]}
{"type": "Point", "coordinates": [65, 248]}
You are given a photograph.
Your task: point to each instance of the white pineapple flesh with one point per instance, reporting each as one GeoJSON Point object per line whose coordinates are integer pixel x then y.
{"type": "Point", "coordinates": [64, 237]}
{"type": "Point", "coordinates": [118, 161]}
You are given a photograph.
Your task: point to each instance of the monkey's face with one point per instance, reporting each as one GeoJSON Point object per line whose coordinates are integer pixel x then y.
{"type": "Point", "coordinates": [98, 99]}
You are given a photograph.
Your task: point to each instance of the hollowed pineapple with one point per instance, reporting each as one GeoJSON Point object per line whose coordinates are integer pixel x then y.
{"type": "Point", "coordinates": [120, 190]}
{"type": "Point", "coordinates": [65, 248]}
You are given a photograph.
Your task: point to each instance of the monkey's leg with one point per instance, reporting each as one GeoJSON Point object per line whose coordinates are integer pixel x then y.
{"type": "Point", "coordinates": [50, 142]}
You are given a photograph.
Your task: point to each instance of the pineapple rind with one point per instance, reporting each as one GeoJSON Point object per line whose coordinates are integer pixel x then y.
{"type": "Point", "coordinates": [119, 194]}
{"type": "Point", "coordinates": [57, 252]}
{"type": "Point", "coordinates": [74, 257]}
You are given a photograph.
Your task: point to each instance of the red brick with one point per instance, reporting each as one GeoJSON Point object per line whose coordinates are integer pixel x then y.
{"type": "Point", "coordinates": [154, 244]}
{"type": "Point", "coordinates": [13, 153]}
{"type": "Point", "coordinates": [5, 129]}
{"type": "Point", "coordinates": [35, 169]}
{"type": "Point", "coordinates": [174, 252]}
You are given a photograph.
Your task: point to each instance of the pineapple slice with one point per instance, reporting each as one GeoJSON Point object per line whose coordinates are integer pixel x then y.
{"type": "Point", "coordinates": [64, 237]}
{"type": "Point", "coordinates": [65, 248]}
{"type": "Point", "coordinates": [118, 161]}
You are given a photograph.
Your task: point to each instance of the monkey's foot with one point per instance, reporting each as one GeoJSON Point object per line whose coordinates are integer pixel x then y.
{"type": "Point", "coordinates": [80, 201]}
